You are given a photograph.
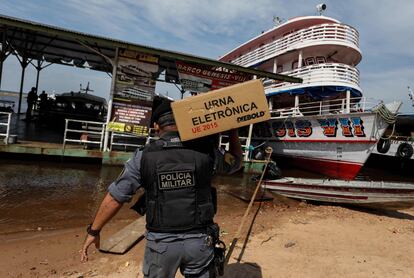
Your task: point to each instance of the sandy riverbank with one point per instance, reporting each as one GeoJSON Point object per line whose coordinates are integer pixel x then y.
{"type": "Point", "coordinates": [289, 239]}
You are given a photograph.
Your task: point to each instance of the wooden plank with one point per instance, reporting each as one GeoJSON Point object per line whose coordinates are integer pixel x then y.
{"type": "Point", "coordinates": [123, 240]}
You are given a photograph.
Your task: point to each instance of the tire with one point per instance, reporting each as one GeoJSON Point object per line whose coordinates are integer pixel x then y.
{"type": "Point", "coordinates": [405, 150]}
{"type": "Point", "coordinates": [383, 145]}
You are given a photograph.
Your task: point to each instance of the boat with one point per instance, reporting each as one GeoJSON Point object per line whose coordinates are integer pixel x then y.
{"type": "Point", "coordinates": [323, 124]}
{"type": "Point", "coordinates": [6, 106]}
{"type": "Point", "coordinates": [381, 194]}
{"type": "Point", "coordinates": [72, 105]}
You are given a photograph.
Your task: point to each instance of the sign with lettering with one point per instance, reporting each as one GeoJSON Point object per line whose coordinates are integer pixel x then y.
{"type": "Point", "coordinates": [231, 107]}
{"type": "Point", "coordinates": [202, 78]}
{"type": "Point", "coordinates": [326, 127]}
{"type": "Point", "coordinates": [175, 179]}
{"type": "Point", "coordinates": [134, 87]}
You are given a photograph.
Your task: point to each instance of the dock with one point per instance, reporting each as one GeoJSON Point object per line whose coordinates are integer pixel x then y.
{"type": "Point", "coordinates": [31, 139]}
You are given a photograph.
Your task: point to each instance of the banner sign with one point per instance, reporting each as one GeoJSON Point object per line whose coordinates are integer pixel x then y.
{"type": "Point", "coordinates": [133, 92]}
{"type": "Point", "coordinates": [201, 78]}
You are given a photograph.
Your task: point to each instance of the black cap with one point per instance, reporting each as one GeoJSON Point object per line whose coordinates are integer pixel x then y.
{"type": "Point", "coordinates": [160, 107]}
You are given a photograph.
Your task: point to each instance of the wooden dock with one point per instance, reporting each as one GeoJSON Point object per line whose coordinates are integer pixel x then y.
{"type": "Point", "coordinates": [70, 151]}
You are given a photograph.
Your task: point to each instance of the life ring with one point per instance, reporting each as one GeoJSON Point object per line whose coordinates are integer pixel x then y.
{"type": "Point", "coordinates": [383, 145]}
{"type": "Point", "coordinates": [405, 150]}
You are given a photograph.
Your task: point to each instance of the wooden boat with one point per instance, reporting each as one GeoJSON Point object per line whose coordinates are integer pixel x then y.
{"type": "Point", "coordinates": [382, 194]}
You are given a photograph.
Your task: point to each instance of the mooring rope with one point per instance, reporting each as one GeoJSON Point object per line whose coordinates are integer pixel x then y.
{"type": "Point", "coordinates": [388, 116]}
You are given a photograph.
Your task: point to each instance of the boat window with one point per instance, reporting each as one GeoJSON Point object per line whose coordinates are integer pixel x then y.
{"type": "Point", "coordinates": [279, 69]}
{"type": "Point", "coordinates": [295, 64]}
{"type": "Point", "coordinates": [309, 61]}
{"type": "Point", "coordinates": [320, 60]}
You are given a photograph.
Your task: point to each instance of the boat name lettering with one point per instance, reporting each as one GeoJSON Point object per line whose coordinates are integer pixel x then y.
{"type": "Point", "coordinates": [227, 112]}
{"type": "Point", "coordinates": [302, 128]}
{"type": "Point", "coordinates": [350, 127]}
{"type": "Point", "coordinates": [329, 127]}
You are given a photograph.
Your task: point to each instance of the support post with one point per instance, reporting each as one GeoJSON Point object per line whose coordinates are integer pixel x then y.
{"type": "Point", "coordinates": [38, 69]}
{"type": "Point", "coordinates": [275, 65]}
{"type": "Point", "coordinates": [111, 95]}
{"type": "Point", "coordinates": [2, 54]}
{"type": "Point", "coordinates": [300, 59]}
{"type": "Point", "coordinates": [248, 141]}
{"type": "Point", "coordinates": [296, 105]}
{"type": "Point", "coordinates": [24, 65]}
{"type": "Point", "coordinates": [348, 101]}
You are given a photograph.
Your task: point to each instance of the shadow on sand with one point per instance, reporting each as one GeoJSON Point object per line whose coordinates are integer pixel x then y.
{"type": "Point", "coordinates": [247, 269]}
{"type": "Point", "coordinates": [390, 211]}
{"type": "Point", "coordinates": [384, 212]}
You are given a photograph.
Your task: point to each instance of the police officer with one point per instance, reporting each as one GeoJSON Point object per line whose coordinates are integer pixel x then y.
{"type": "Point", "coordinates": [180, 205]}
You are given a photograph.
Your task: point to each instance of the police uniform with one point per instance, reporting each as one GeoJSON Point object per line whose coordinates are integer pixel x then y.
{"type": "Point", "coordinates": [176, 177]}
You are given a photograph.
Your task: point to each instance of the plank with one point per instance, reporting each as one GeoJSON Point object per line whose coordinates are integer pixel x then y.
{"type": "Point", "coordinates": [123, 240]}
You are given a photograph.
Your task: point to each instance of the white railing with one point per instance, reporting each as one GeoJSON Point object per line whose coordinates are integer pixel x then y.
{"type": "Point", "coordinates": [332, 32]}
{"type": "Point", "coordinates": [84, 132]}
{"type": "Point", "coordinates": [121, 139]}
{"type": "Point", "coordinates": [244, 141]}
{"type": "Point", "coordinates": [5, 119]}
{"type": "Point", "coordinates": [320, 74]}
{"type": "Point", "coordinates": [337, 106]}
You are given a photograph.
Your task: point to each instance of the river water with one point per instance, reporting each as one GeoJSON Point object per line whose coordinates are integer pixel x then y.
{"type": "Point", "coordinates": [57, 195]}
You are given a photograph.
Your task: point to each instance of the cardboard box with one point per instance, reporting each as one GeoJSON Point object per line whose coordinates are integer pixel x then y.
{"type": "Point", "coordinates": [220, 110]}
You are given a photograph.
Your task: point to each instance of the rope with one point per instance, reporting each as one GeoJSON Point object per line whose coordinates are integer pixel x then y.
{"type": "Point", "coordinates": [387, 116]}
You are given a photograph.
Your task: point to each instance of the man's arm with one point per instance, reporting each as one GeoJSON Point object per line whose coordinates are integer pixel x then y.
{"type": "Point", "coordinates": [108, 208]}
{"type": "Point", "coordinates": [120, 191]}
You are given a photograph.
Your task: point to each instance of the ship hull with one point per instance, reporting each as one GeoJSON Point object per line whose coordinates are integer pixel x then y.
{"type": "Point", "coordinates": [334, 145]}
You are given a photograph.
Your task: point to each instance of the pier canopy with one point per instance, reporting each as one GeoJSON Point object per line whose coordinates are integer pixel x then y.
{"type": "Point", "coordinates": [45, 43]}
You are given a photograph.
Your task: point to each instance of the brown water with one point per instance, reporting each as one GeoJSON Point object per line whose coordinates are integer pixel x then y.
{"type": "Point", "coordinates": [49, 195]}
{"type": "Point", "coordinates": [59, 195]}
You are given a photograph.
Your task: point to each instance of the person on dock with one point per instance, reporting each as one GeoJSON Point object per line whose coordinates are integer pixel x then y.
{"type": "Point", "coordinates": [180, 202]}
{"type": "Point", "coordinates": [31, 101]}
{"type": "Point", "coordinates": [43, 100]}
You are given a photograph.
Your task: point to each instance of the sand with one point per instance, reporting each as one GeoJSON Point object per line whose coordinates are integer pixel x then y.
{"type": "Point", "coordinates": [289, 239]}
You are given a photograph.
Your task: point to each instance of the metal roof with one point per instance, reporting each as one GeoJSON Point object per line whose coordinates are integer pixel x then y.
{"type": "Point", "coordinates": [63, 46]}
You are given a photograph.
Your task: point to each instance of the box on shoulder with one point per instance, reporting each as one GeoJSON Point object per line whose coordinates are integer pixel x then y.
{"type": "Point", "coordinates": [221, 110]}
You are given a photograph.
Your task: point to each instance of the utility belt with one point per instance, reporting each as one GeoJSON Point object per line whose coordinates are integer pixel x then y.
{"type": "Point", "coordinates": [219, 249]}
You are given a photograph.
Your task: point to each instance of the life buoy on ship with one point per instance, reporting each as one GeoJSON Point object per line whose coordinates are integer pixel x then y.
{"type": "Point", "coordinates": [383, 145]}
{"type": "Point", "coordinates": [404, 150]}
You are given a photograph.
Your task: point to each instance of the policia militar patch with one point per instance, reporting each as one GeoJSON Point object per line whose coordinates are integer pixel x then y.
{"type": "Point", "coordinates": [176, 179]}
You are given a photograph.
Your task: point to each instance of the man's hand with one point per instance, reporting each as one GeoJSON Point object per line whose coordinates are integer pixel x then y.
{"type": "Point", "coordinates": [88, 241]}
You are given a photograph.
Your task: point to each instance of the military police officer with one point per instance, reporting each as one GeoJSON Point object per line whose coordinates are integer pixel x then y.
{"type": "Point", "coordinates": [180, 204]}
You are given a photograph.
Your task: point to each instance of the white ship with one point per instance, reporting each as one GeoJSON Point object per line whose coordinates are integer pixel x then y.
{"type": "Point", "coordinates": [323, 124]}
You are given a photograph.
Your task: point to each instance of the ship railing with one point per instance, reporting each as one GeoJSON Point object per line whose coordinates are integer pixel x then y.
{"type": "Point", "coordinates": [330, 32]}
{"type": "Point", "coordinates": [323, 74]}
{"type": "Point", "coordinates": [85, 133]}
{"type": "Point", "coordinates": [317, 108]}
{"type": "Point", "coordinates": [5, 120]}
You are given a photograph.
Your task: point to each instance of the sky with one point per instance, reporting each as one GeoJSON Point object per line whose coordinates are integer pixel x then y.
{"type": "Point", "coordinates": [211, 28]}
